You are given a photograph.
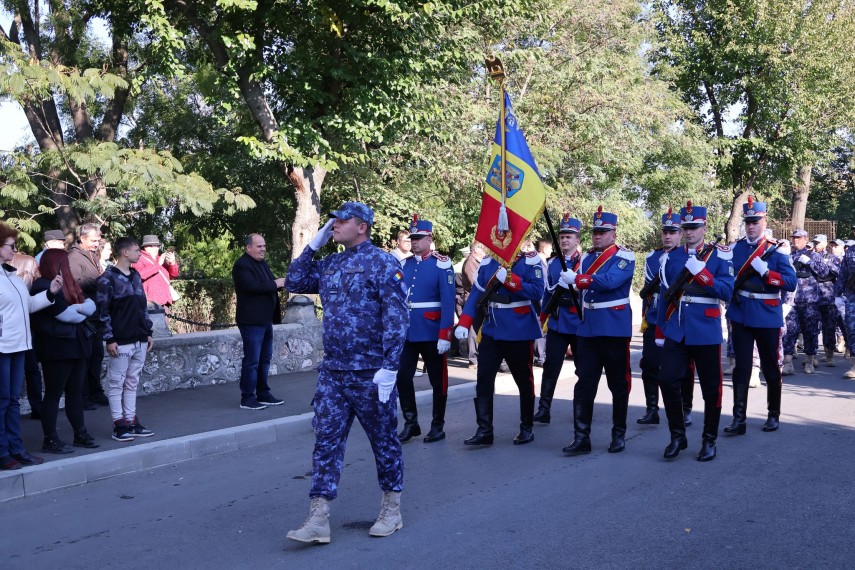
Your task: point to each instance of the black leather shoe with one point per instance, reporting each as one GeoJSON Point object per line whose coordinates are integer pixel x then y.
{"type": "Point", "coordinates": [434, 435]}
{"type": "Point", "coordinates": [618, 444]}
{"type": "Point", "coordinates": [675, 447]}
{"type": "Point", "coordinates": [83, 439]}
{"type": "Point", "coordinates": [526, 435]}
{"type": "Point", "coordinates": [7, 463]}
{"type": "Point", "coordinates": [26, 458]}
{"type": "Point", "coordinates": [578, 447]}
{"type": "Point", "coordinates": [771, 424]}
{"type": "Point", "coordinates": [52, 445]}
{"type": "Point", "coordinates": [479, 439]}
{"type": "Point", "coordinates": [687, 418]}
{"type": "Point", "coordinates": [542, 416]}
{"type": "Point", "coordinates": [651, 417]}
{"type": "Point", "coordinates": [409, 432]}
{"type": "Point", "coordinates": [707, 452]}
{"type": "Point", "coordinates": [735, 428]}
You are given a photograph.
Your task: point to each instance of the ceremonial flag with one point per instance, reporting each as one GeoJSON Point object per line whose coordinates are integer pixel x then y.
{"type": "Point", "coordinates": [524, 198]}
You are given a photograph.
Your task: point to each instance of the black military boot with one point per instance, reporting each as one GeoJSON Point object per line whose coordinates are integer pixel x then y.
{"type": "Point", "coordinates": [674, 411]}
{"type": "Point", "coordinates": [740, 405]}
{"type": "Point", "coordinates": [526, 434]}
{"type": "Point", "coordinates": [651, 397]}
{"type": "Point", "coordinates": [712, 415]}
{"type": "Point", "coordinates": [437, 425]}
{"type": "Point", "coordinates": [582, 415]}
{"type": "Point", "coordinates": [484, 417]}
{"type": "Point", "coordinates": [619, 409]}
{"type": "Point", "coordinates": [407, 397]}
{"type": "Point", "coordinates": [687, 391]}
{"type": "Point", "coordinates": [687, 416]}
{"type": "Point", "coordinates": [773, 398]}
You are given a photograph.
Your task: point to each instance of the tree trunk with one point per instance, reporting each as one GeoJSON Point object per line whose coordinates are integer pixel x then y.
{"type": "Point", "coordinates": [801, 189]}
{"type": "Point", "coordinates": [735, 218]}
{"type": "Point", "coordinates": [307, 190]}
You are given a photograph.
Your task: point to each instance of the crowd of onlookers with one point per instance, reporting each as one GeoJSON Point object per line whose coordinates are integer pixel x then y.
{"type": "Point", "coordinates": [59, 311]}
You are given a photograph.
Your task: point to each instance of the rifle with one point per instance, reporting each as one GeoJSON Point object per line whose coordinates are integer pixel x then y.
{"type": "Point", "coordinates": [672, 295]}
{"type": "Point", "coordinates": [557, 294]}
{"type": "Point", "coordinates": [751, 272]}
{"type": "Point", "coordinates": [651, 287]}
{"type": "Point", "coordinates": [481, 308]}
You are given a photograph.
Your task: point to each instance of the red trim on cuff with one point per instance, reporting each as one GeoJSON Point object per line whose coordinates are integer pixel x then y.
{"type": "Point", "coordinates": [704, 278]}
{"type": "Point", "coordinates": [465, 321]}
{"type": "Point", "coordinates": [543, 317]}
{"type": "Point", "coordinates": [584, 281]}
{"type": "Point", "coordinates": [514, 283]}
{"type": "Point", "coordinates": [774, 278]}
{"type": "Point", "coordinates": [444, 334]}
{"type": "Point", "coordinates": [658, 334]}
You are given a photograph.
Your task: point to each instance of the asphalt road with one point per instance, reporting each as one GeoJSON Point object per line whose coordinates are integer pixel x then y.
{"type": "Point", "coordinates": [773, 500]}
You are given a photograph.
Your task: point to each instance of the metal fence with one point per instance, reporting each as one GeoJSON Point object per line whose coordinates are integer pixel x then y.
{"type": "Point", "coordinates": [783, 229]}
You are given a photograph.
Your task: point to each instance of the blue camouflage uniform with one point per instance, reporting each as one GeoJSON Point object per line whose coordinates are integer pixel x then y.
{"type": "Point", "coordinates": [827, 310]}
{"type": "Point", "coordinates": [845, 287]}
{"type": "Point", "coordinates": [804, 318]}
{"type": "Point", "coordinates": [429, 280]}
{"type": "Point", "coordinates": [364, 325]}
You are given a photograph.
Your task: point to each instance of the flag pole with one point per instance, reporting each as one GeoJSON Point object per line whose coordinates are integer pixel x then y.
{"type": "Point", "coordinates": [497, 72]}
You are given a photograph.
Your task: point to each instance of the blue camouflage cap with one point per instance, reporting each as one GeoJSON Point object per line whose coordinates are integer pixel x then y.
{"type": "Point", "coordinates": [799, 233]}
{"type": "Point", "coordinates": [354, 210]}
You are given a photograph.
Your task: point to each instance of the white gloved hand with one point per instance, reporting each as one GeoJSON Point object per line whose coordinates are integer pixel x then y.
{"type": "Point", "coordinates": [442, 346]}
{"type": "Point", "coordinates": [695, 265]}
{"type": "Point", "coordinates": [87, 307]}
{"type": "Point", "coordinates": [760, 266]}
{"type": "Point", "coordinates": [323, 236]}
{"type": "Point", "coordinates": [786, 308]}
{"type": "Point", "coordinates": [567, 278]}
{"type": "Point", "coordinates": [385, 380]}
{"type": "Point", "coordinates": [803, 259]}
{"type": "Point", "coordinates": [501, 274]}
{"type": "Point", "coordinates": [660, 342]}
{"type": "Point", "coordinates": [460, 333]}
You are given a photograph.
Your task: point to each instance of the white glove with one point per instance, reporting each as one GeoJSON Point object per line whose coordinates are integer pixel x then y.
{"type": "Point", "coordinates": [501, 274]}
{"type": "Point", "coordinates": [385, 380]}
{"type": "Point", "coordinates": [442, 346]}
{"type": "Point", "coordinates": [695, 265]}
{"type": "Point", "coordinates": [839, 303]}
{"type": "Point", "coordinates": [567, 278]}
{"type": "Point", "coordinates": [803, 259]}
{"type": "Point", "coordinates": [70, 315]}
{"type": "Point", "coordinates": [87, 307]}
{"type": "Point", "coordinates": [323, 236]}
{"type": "Point", "coordinates": [660, 342]}
{"type": "Point", "coordinates": [786, 308]}
{"type": "Point", "coordinates": [460, 333]}
{"type": "Point", "coordinates": [760, 266]}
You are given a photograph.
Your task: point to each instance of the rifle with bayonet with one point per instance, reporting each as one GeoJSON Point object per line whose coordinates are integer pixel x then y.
{"type": "Point", "coordinates": [672, 294]}
{"type": "Point", "coordinates": [559, 291]}
{"type": "Point", "coordinates": [751, 272]}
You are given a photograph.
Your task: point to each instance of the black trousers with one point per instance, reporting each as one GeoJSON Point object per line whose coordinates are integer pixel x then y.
{"type": "Point", "coordinates": [651, 360]}
{"type": "Point", "coordinates": [768, 344]}
{"type": "Point", "coordinates": [600, 353]}
{"type": "Point", "coordinates": [63, 376]}
{"type": "Point", "coordinates": [517, 353]}
{"type": "Point", "coordinates": [33, 377]}
{"type": "Point", "coordinates": [436, 365]}
{"type": "Point", "coordinates": [556, 351]}
{"type": "Point", "coordinates": [92, 382]}
{"type": "Point", "coordinates": [676, 357]}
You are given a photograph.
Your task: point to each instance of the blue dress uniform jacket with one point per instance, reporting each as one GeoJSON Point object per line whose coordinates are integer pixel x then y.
{"type": "Point", "coordinates": [651, 269]}
{"type": "Point", "coordinates": [516, 319]}
{"type": "Point", "coordinates": [764, 309]}
{"type": "Point", "coordinates": [605, 294]}
{"type": "Point", "coordinates": [568, 320]}
{"type": "Point", "coordinates": [364, 300]}
{"type": "Point", "coordinates": [430, 281]}
{"type": "Point", "coordinates": [697, 320]}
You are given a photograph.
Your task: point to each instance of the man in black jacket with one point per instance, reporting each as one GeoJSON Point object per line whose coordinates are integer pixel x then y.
{"type": "Point", "coordinates": [257, 310]}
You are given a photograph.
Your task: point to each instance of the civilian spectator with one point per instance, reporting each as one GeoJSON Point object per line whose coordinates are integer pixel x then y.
{"type": "Point", "coordinates": [16, 304]}
{"type": "Point", "coordinates": [156, 271]}
{"type": "Point", "coordinates": [403, 246]}
{"type": "Point", "coordinates": [54, 239]}
{"type": "Point", "coordinates": [257, 311]}
{"type": "Point", "coordinates": [85, 266]}
{"type": "Point", "coordinates": [61, 339]}
{"type": "Point", "coordinates": [126, 329]}
{"type": "Point", "coordinates": [105, 254]}
{"type": "Point", "coordinates": [27, 271]}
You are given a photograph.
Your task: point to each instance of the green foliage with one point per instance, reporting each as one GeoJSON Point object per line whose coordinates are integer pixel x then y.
{"type": "Point", "coordinates": [204, 301]}
{"type": "Point", "coordinates": [209, 257]}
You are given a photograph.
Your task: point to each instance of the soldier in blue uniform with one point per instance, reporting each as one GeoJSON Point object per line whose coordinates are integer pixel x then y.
{"type": "Point", "coordinates": [429, 279]}
{"type": "Point", "coordinates": [827, 309]}
{"type": "Point", "coordinates": [364, 327]}
{"type": "Point", "coordinates": [509, 330]}
{"type": "Point", "coordinates": [564, 320]}
{"type": "Point", "coordinates": [604, 279]}
{"type": "Point", "coordinates": [692, 328]}
{"type": "Point", "coordinates": [651, 350]}
{"type": "Point", "coordinates": [756, 315]}
{"type": "Point", "coordinates": [804, 318]}
{"type": "Point", "coordinates": [845, 288]}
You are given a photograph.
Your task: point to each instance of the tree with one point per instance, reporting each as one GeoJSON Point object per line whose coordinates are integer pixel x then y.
{"type": "Point", "coordinates": [770, 81]}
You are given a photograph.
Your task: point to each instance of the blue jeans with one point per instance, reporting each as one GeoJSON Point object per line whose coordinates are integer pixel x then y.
{"type": "Point", "coordinates": [257, 352]}
{"type": "Point", "coordinates": [11, 382]}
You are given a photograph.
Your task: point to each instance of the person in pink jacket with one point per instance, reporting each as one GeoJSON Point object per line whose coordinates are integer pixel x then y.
{"type": "Point", "coordinates": [156, 271]}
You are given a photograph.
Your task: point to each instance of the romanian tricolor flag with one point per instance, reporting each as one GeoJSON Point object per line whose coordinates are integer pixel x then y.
{"type": "Point", "coordinates": [525, 196]}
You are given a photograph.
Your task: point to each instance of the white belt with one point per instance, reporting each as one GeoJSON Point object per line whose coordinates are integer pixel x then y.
{"type": "Point", "coordinates": [751, 295]}
{"type": "Point", "coordinates": [606, 304]}
{"type": "Point", "coordinates": [655, 297]}
{"type": "Point", "coordinates": [510, 305]}
{"type": "Point", "coordinates": [688, 299]}
{"type": "Point", "coordinates": [426, 305]}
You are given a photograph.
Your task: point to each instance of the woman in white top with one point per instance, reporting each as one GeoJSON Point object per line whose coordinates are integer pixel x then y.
{"type": "Point", "coordinates": [15, 339]}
